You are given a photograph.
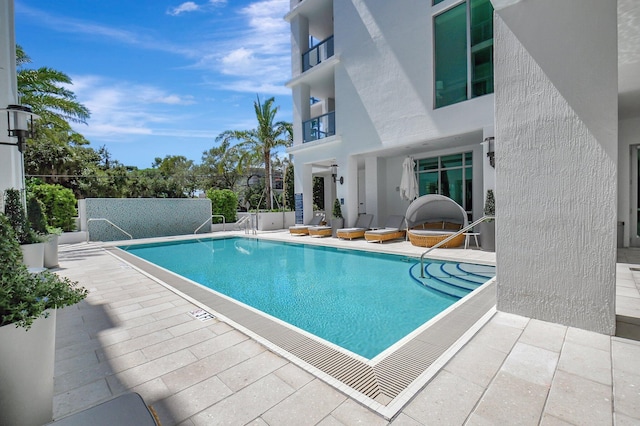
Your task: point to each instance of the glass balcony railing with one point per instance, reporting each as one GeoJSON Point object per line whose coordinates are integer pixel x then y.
{"type": "Point", "coordinates": [318, 53]}
{"type": "Point", "coordinates": [319, 127]}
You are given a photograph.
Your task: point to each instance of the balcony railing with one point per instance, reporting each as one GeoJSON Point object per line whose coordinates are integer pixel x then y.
{"type": "Point", "coordinates": [319, 127]}
{"type": "Point", "coordinates": [318, 53]}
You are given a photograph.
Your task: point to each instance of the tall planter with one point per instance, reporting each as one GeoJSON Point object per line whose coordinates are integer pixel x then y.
{"type": "Point", "coordinates": [51, 251]}
{"type": "Point", "coordinates": [336, 223]}
{"type": "Point", "coordinates": [26, 373]}
{"type": "Point", "coordinates": [488, 236]}
{"type": "Point", "coordinates": [33, 255]}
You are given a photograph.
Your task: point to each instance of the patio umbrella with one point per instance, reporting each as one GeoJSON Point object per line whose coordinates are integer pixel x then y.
{"type": "Point", "coordinates": [408, 183]}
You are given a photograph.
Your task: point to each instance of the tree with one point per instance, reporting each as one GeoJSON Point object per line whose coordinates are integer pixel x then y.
{"type": "Point", "coordinates": [44, 90]}
{"type": "Point", "coordinates": [219, 168]}
{"type": "Point", "coordinates": [261, 141]}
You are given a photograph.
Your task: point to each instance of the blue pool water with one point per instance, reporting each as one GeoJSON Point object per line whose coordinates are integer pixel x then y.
{"type": "Point", "coordinates": [363, 302]}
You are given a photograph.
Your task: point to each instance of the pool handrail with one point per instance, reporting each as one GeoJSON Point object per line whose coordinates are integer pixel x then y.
{"type": "Point", "coordinates": [110, 223]}
{"type": "Point", "coordinates": [224, 221]}
{"type": "Point", "coordinates": [449, 238]}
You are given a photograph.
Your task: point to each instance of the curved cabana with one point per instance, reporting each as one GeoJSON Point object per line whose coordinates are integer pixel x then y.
{"type": "Point", "coordinates": [432, 218]}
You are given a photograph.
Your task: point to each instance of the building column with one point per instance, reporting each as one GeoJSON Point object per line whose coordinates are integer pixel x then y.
{"type": "Point", "coordinates": [371, 190]}
{"type": "Point", "coordinates": [11, 161]}
{"type": "Point", "coordinates": [301, 111]}
{"type": "Point", "coordinates": [303, 177]}
{"type": "Point", "coordinates": [556, 160]}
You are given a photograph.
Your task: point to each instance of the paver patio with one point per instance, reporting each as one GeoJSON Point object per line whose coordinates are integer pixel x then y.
{"type": "Point", "coordinates": [134, 334]}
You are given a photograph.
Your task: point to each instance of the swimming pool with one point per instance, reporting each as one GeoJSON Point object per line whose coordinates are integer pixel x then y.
{"type": "Point", "coordinates": [363, 302]}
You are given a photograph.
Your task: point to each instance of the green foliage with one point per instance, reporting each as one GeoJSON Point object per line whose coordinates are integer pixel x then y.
{"type": "Point", "coordinates": [24, 297]}
{"type": "Point", "coordinates": [59, 204]}
{"type": "Point", "coordinates": [318, 193]}
{"type": "Point", "coordinates": [254, 194]}
{"type": "Point", "coordinates": [490, 204]}
{"type": "Point", "coordinates": [14, 210]}
{"type": "Point", "coordinates": [36, 216]}
{"type": "Point", "coordinates": [337, 211]}
{"type": "Point", "coordinates": [224, 202]}
{"type": "Point", "coordinates": [289, 187]}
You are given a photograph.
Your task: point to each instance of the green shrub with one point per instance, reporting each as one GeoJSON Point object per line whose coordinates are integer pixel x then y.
{"type": "Point", "coordinates": [14, 211]}
{"type": "Point", "coordinates": [59, 205]}
{"type": "Point", "coordinates": [337, 211]}
{"type": "Point", "coordinates": [224, 202]}
{"type": "Point", "coordinates": [24, 297]}
{"type": "Point", "coordinates": [36, 216]}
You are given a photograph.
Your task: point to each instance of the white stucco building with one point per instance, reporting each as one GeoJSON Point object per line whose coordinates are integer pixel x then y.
{"type": "Point", "coordinates": [376, 81]}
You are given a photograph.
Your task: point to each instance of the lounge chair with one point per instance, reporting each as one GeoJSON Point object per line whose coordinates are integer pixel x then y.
{"type": "Point", "coordinates": [393, 229]}
{"type": "Point", "coordinates": [304, 229]}
{"type": "Point", "coordinates": [362, 225]}
{"type": "Point", "coordinates": [433, 218]}
{"type": "Point", "coordinates": [321, 231]}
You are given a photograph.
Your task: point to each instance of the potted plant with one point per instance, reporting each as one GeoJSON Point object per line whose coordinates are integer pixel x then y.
{"type": "Point", "coordinates": [488, 228]}
{"type": "Point", "coordinates": [48, 234]}
{"type": "Point", "coordinates": [337, 222]}
{"type": "Point", "coordinates": [30, 242]}
{"type": "Point", "coordinates": [27, 332]}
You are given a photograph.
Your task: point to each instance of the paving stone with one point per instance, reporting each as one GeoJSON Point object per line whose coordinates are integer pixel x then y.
{"type": "Point", "coordinates": [532, 364]}
{"type": "Point", "coordinates": [153, 391]}
{"type": "Point", "coordinates": [498, 336]}
{"type": "Point", "coordinates": [583, 361]}
{"type": "Point", "coordinates": [352, 413]}
{"type": "Point", "coordinates": [131, 345]}
{"type": "Point", "coordinates": [80, 398]}
{"type": "Point", "coordinates": [77, 378]}
{"type": "Point", "coordinates": [545, 335]}
{"type": "Point", "coordinates": [448, 399]}
{"type": "Point", "coordinates": [622, 420]}
{"type": "Point", "coordinates": [187, 327]}
{"type": "Point", "coordinates": [476, 363]}
{"type": "Point", "coordinates": [186, 403]}
{"type": "Point", "coordinates": [258, 422]}
{"type": "Point", "coordinates": [330, 421]}
{"type": "Point", "coordinates": [249, 371]}
{"type": "Point", "coordinates": [404, 420]}
{"type": "Point", "coordinates": [510, 400]}
{"type": "Point", "coordinates": [293, 375]}
{"type": "Point", "coordinates": [318, 400]}
{"type": "Point", "coordinates": [218, 343]}
{"type": "Point", "coordinates": [626, 396]}
{"type": "Point", "coordinates": [625, 355]}
{"type": "Point", "coordinates": [82, 361]}
{"type": "Point", "coordinates": [588, 338]}
{"type": "Point", "coordinates": [577, 400]}
{"type": "Point", "coordinates": [177, 343]}
{"type": "Point", "coordinates": [156, 368]}
{"type": "Point", "coordinates": [245, 405]}
{"type": "Point", "coordinates": [210, 366]}
{"type": "Point", "coordinates": [549, 420]}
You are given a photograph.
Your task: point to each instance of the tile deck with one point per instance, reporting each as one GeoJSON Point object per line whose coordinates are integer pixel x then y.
{"type": "Point", "coordinates": [133, 334]}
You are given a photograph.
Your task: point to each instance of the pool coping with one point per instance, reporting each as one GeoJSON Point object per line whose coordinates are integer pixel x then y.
{"type": "Point", "coordinates": [385, 383]}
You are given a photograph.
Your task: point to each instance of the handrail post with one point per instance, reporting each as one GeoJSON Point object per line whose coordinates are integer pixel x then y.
{"type": "Point", "coordinates": [91, 219]}
{"type": "Point", "coordinates": [446, 240]}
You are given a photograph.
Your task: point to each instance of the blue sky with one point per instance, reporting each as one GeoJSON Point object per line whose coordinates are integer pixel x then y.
{"type": "Point", "coordinates": [162, 77]}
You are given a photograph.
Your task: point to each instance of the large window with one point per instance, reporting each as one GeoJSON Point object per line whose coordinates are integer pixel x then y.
{"type": "Point", "coordinates": [448, 175]}
{"type": "Point", "coordinates": [463, 52]}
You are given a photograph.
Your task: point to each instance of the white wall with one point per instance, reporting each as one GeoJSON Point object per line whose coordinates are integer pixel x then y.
{"type": "Point", "coordinates": [629, 136]}
{"type": "Point", "coordinates": [556, 134]}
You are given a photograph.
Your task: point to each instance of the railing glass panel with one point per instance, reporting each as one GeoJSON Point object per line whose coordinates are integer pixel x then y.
{"type": "Point", "coordinates": [319, 127]}
{"type": "Point", "coordinates": [318, 53]}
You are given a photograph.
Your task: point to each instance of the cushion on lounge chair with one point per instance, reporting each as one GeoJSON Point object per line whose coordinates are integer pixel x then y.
{"type": "Point", "coordinates": [362, 224]}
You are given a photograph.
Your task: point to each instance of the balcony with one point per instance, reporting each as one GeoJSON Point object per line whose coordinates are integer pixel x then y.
{"type": "Point", "coordinates": [319, 128]}
{"type": "Point", "coordinates": [320, 52]}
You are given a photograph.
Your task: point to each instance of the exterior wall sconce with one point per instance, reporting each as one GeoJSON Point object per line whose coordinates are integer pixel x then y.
{"type": "Point", "coordinates": [19, 123]}
{"type": "Point", "coordinates": [334, 174]}
{"type": "Point", "coordinates": [491, 148]}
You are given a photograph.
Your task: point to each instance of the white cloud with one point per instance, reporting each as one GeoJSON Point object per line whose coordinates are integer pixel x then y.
{"type": "Point", "coordinates": [188, 6]}
{"type": "Point", "coordinates": [122, 108]}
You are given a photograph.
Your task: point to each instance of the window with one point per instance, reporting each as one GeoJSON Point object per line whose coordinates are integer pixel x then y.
{"type": "Point", "coordinates": [448, 175]}
{"type": "Point", "coordinates": [458, 43]}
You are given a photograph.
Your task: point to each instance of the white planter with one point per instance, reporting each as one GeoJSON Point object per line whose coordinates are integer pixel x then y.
{"type": "Point", "coordinates": [270, 221]}
{"type": "Point", "coordinates": [33, 255]}
{"type": "Point", "coordinates": [336, 223]}
{"type": "Point", "coordinates": [26, 373]}
{"type": "Point", "coordinates": [51, 252]}
{"type": "Point", "coordinates": [289, 219]}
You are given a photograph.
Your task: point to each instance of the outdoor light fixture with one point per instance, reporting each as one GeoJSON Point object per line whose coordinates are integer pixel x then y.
{"type": "Point", "coordinates": [491, 154]}
{"type": "Point", "coordinates": [334, 174]}
{"type": "Point", "coordinates": [19, 124]}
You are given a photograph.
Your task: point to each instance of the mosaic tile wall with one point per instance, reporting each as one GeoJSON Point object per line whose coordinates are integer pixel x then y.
{"type": "Point", "coordinates": [145, 217]}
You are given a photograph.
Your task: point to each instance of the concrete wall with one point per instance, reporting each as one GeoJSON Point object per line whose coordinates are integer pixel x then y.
{"type": "Point", "coordinates": [143, 217]}
{"type": "Point", "coordinates": [556, 140]}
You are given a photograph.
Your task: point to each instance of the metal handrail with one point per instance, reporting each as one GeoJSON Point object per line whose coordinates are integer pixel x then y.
{"type": "Point", "coordinates": [110, 223]}
{"type": "Point", "coordinates": [446, 240]}
{"type": "Point", "coordinates": [224, 222]}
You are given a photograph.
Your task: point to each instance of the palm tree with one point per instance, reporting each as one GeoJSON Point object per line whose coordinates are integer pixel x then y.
{"type": "Point", "coordinates": [43, 90]}
{"type": "Point", "coordinates": [258, 143]}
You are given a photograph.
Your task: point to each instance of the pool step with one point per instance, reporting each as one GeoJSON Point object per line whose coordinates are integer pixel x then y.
{"type": "Point", "coordinates": [453, 279]}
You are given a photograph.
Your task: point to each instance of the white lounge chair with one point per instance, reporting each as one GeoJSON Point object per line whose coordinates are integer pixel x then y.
{"type": "Point", "coordinates": [393, 229]}
{"type": "Point", "coordinates": [304, 229]}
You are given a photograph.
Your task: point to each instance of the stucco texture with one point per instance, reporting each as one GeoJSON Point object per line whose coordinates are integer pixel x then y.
{"type": "Point", "coordinates": [555, 182]}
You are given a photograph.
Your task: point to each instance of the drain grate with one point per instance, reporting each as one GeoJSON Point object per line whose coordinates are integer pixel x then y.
{"type": "Point", "coordinates": [383, 381]}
